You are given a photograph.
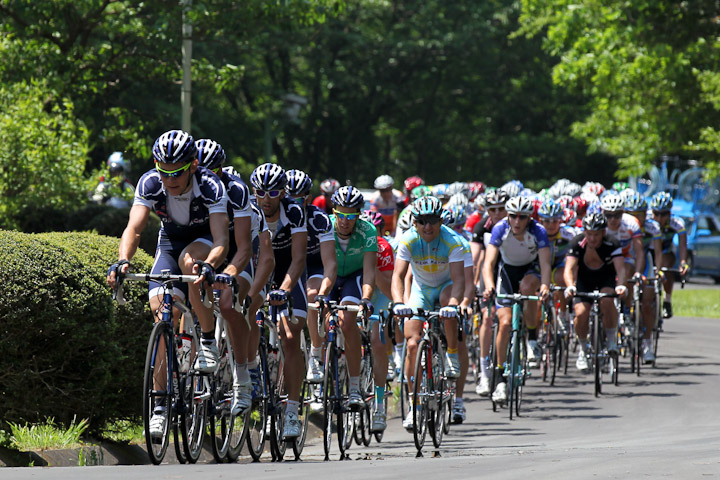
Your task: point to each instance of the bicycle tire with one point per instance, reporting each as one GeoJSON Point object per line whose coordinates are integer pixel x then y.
{"type": "Point", "coordinates": [154, 362]}
{"type": "Point", "coordinates": [221, 421]}
{"type": "Point", "coordinates": [512, 381]}
{"type": "Point", "coordinates": [194, 424]}
{"type": "Point", "coordinates": [181, 402]}
{"type": "Point", "coordinates": [614, 368]}
{"type": "Point", "coordinates": [421, 384]}
{"type": "Point", "coordinates": [258, 414]}
{"type": "Point", "coordinates": [404, 388]}
{"type": "Point", "coordinates": [367, 387]}
{"type": "Point", "coordinates": [438, 417]}
{"type": "Point", "coordinates": [328, 398]}
{"type": "Point", "coordinates": [238, 433]}
{"type": "Point", "coordinates": [304, 416]}
{"type": "Point", "coordinates": [597, 345]}
{"type": "Point", "coordinates": [556, 357]}
{"type": "Point", "coordinates": [493, 365]}
{"type": "Point", "coordinates": [344, 414]}
{"type": "Point", "coordinates": [547, 343]}
{"type": "Point", "coordinates": [524, 369]}
{"type": "Point", "coordinates": [277, 420]}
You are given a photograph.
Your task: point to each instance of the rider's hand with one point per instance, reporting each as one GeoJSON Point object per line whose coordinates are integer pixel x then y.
{"type": "Point", "coordinates": [222, 280]}
{"type": "Point", "coordinates": [639, 278]}
{"type": "Point", "coordinates": [206, 272]}
{"type": "Point", "coordinates": [278, 297]}
{"type": "Point", "coordinates": [112, 273]}
{"type": "Point", "coordinates": [544, 292]}
{"type": "Point", "coordinates": [321, 301]}
{"type": "Point", "coordinates": [488, 293]}
{"type": "Point", "coordinates": [684, 267]}
{"type": "Point", "coordinates": [448, 312]}
{"type": "Point", "coordinates": [621, 290]}
{"type": "Point", "coordinates": [570, 291]}
{"type": "Point", "coordinates": [401, 310]}
{"type": "Point", "coordinates": [367, 306]}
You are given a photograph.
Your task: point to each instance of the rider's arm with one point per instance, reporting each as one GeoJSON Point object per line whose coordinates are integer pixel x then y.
{"type": "Point", "coordinates": [571, 266]}
{"type": "Point", "coordinates": [491, 256]}
{"type": "Point", "coordinates": [469, 293]}
{"type": "Point", "coordinates": [682, 245]}
{"type": "Point", "coordinates": [657, 252]}
{"type": "Point", "coordinates": [243, 240]}
{"type": "Point", "coordinates": [383, 281]}
{"type": "Point", "coordinates": [639, 254]}
{"type": "Point", "coordinates": [329, 261]}
{"type": "Point", "coordinates": [478, 254]}
{"type": "Point", "coordinates": [457, 275]}
{"type": "Point", "coordinates": [297, 266]}
{"type": "Point", "coordinates": [130, 240]}
{"type": "Point", "coordinates": [265, 264]}
{"type": "Point", "coordinates": [219, 230]}
{"type": "Point", "coordinates": [545, 267]}
{"type": "Point", "coordinates": [398, 280]}
{"type": "Point", "coordinates": [619, 264]}
{"type": "Point", "coordinates": [369, 262]}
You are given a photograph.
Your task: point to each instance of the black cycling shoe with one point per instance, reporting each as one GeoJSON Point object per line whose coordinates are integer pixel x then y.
{"type": "Point", "coordinates": [667, 310]}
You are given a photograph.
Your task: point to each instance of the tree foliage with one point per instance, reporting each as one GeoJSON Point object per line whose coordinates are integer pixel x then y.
{"type": "Point", "coordinates": [648, 69]}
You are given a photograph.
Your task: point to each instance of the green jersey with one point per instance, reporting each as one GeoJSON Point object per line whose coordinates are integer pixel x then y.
{"type": "Point", "coordinates": [351, 254]}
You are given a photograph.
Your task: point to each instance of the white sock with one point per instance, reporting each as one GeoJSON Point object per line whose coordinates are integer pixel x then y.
{"type": "Point", "coordinates": [484, 363]}
{"type": "Point", "coordinates": [315, 352]}
{"type": "Point", "coordinates": [242, 374]}
{"type": "Point", "coordinates": [254, 363]}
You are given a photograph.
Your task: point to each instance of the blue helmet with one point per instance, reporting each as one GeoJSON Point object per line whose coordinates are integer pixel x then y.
{"type": "Point", "coordinates": [453, 216]}
{"type": "Point", "coordinates": [298, 183]}
{"type": "Point", "coordinates": [210, 153]}
{"type": "Point", "coordinates": [550, 209]}
{"type": "Point", "coordinates": [348, 197]}
{"type": "Point", "coordinates": [174, 146]}
{"type": "Point", "coordinates": [427, 206]}
{"type": "Point", "coordinates": [636, 203]}
{"type": "Point", "coordinates": [268, 176]}
{"type": "Point", "coordinates": [661, 202]}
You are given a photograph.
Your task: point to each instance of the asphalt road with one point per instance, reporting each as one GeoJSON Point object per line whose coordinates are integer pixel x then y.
{"type": "Point", "coordinates": [664, 423]}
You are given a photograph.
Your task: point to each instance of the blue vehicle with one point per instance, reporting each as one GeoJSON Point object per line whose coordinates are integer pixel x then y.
{"type": "Point", "coordinates": [703, 234]}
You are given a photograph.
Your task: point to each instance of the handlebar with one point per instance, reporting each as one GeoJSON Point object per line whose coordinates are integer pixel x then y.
{"type": "Point", "coordinates": [596, 295]}
{"type": "Point", "coordinates": [333, 305]}
{"type": "Point", "coordinates": [678, 271]}
{"type": "Point", "coordinates": [164, 276]}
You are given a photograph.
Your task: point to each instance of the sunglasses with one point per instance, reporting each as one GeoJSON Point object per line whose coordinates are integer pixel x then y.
{"type": "Point", "coordinates": [270, 193]}
{"type": "Point", "coordinates": [172, 173]}
{"type": "Point", "coordinates": [345, 216]}
{"type": "Point", "coordinates": [428, 220]}
{"type": "Point", "coordinates": [661, 214]}
{"type": "Point", "coordinates": [496, 209]}
{"type": "Point", "coordinates": [613, 215]}
{"type": "Point", "coordinates": [298, 200]}
{"type": "Point", "coordinates": [550, 220]}
{"type": "Point", "coordinates": [516, 215]}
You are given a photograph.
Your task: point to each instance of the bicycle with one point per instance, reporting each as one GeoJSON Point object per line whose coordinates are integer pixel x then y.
{"type": "Point", "coordinates": [336, 381]}
{"type": "Point", "coordinates": [493, 366]}
{"type": "Point", "coordinates": [362, 420]}
{"type": "Point", "coordinates": [658, 305]}
{"type": "Point", "coordinates": [552, 340]}
{"type": "Point", "coordinates": [598, 354]}
{"type": "Point", "coordinates": [517, 353]}
{"type": "Point", "coordinates": [167, 373]}
{"type": "Point", "coordinates": [634, 330]}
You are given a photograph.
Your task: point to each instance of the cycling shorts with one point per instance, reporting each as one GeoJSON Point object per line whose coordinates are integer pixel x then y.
{"type": "Point", "coordinates": [380, 302]}
{"type": "Point", "coordinates": [315, 270]}
{"type": "Point", "coordinates": [167, 255]}
{"type": "Point", "coordinates": [348, 288]}
{"type": "Point", "coordinates": [425, 297]}
{"type": "Point", "coordinates": [509, 280]}
{"type": "Point", "coordinates": [595, 282]}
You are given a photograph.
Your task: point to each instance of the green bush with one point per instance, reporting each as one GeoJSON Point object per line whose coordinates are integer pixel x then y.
{"type": "Point", "coordinates": [70, 350]}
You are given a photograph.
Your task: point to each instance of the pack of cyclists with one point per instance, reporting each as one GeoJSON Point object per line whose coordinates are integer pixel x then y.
{"type": "Point", "coordinates": [444, 248]}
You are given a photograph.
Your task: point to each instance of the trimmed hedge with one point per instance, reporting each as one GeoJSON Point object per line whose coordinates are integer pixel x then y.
{"type": "Point", "coordinates": [67, 348]}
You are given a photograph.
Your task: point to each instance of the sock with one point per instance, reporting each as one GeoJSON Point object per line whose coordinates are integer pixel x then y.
{"type": "Point", "coordinates": [484, 363]}
{"type": "Point", "coordinates": [315, 352]}
{"type": "Point", "coordinates": [292, 407]}
{"type": "Point", "coordinates": [242, 374]}
{"type": "Point", "coordinates": [452, 351]}
{"type": "Point", "coordinates": [379, 399]}
{"type": "Point", "coordinates": [583, 344]}
{"type": "Point", "coordinates": [398, 350]}
{"type": "Point", "coordinates": [532, 333]}
{"type": "Point", "coordinates": [459, 402]}
{"type": "Point", "coordinates": [252, 365]}
{"type": "Point", "coordinates": [611, 336]}
{"type": "Point", "coordinates": [668, 298]}
{"type": "Point", "coordinates": [209, 335]}
{"type": "Point", "coordinates": [355, 384]}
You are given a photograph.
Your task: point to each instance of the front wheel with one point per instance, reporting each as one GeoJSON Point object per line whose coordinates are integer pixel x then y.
{"type": "Point", "coordinates": [328, 398]}
{"type": "Point", "coordinates": [157, 391]}
{"type": "Point", "coordinates": [421, 387]}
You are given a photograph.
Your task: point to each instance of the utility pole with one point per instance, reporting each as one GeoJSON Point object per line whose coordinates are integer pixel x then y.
{"type": "Point", "coordinates": [186, 94]}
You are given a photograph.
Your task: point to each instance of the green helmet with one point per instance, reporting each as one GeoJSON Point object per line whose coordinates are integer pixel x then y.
{"type": "Point", "coordinates": [619, 186]}
{"type": "Point", "coordinates": [421, 191]}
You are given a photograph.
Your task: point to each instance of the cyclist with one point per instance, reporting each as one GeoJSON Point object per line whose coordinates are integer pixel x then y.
{"type": "Point", "coordinates": [382, 354]}
{"type": "Point", "coordinates": [410, 184]}
{"type": "Point", "coordinates": [593, 261]}
{"type": "Point", "coordinates": [637, 206]}
{"type": "Point", "coordinates": [115, 191]}
{"type": "Point", "coordinates": [288, 226]}
{"type": "Point", "coordinates": [327, 188]}
{"type": "Point", "coordinates": [522, 245]}
{"type": "Point", "coordinates": [321, 263]}
{"type": "Point", "coordinates": [670, 225]}
{"type": "Point", "coordinates": [192, 204]}
{"type": "Point", "coordinates": [387, 201]}
{"type": "Point", "coordinates": [482, 232]}
{"type": "Point", "coordinates": [356, 252]}
{"type": "Point", "coordinates": [437, 259]}
{"type": "Point", "coordinates": [454, 218]}
{"type": "Point", "coordinates": [625, 229]}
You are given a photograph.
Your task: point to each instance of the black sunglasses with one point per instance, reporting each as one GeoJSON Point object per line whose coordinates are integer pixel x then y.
{"type": "Point", "coordinates": [429, 220]}
{"type": "Point", "coordinates": [613, 215]}
{"type": "Point", "coordinates": [520, 216]}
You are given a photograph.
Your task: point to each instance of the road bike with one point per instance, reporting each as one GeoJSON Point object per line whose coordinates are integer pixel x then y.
{"type": "Point", "coordinates": [598, 353]}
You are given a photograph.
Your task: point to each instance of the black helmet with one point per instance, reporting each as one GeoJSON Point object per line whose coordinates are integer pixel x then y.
{"type": "Point", "coordinates": [594, 221]}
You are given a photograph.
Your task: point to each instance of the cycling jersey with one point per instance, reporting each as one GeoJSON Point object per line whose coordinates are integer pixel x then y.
{"type": "Point", "coordinates": [482, 231]}
{"type": "Point", "coordinates": [675, 225]}
{"type": "Point", "coordinates": [629, 228]}
{"type": "Point", "coordinates": [387, 209]}
{"type": "Point", "coordinates": [467, 254]}
{"type": "Point", "coordinates": [351, 256]}
{"type": "Point", "coordinates": [517, 252]}
{"type": "Point", "coordinates": [431, 261]}
{"type": "Point", "coordinates": [320, 230]}
{"type": "Point", "coordinates": [292, 220]}
{"type": "Point", "coordinates": [322, 204]}
{"type": "Point", "coordinates": [651, 232]}
{"type": "Point", "coordinates": [185, 216]}
{"type": "Point", "coordinates": [560, 242]}
{"type": "Point", "coordinates": [472, 220]}
{"type": "Point", "coordinates": [385, 263]}
{"type": "Point", "coordinates": [589, 279]}
{"type": "Point", "coordinates": [238, 203]}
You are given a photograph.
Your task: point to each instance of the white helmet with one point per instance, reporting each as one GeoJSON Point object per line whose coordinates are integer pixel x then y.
{"type": "Point", "coordinates": [612, 202]}
{"type": "Point", "coordinates": [384, 181]}
{"type": "Point", "coordinates": [522, 205]}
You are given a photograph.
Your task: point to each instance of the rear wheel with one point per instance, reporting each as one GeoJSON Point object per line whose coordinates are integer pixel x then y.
{"type": "Point", "coordinates": [344, 415]}
{"type": "Point", "coordinates": [157, 400]}
{"type": "Point", "coordinates": [493, 366]}
{"type": "Point", "coordinates": [328, 398]}
{"type": "Point", "coordinates": [438, 410]}
{"type": "Point", "coordinates": [304, 416]}
{"type": "Point", "coordinates": [512, 380]}
{"type": "Point", "coordinates": [221, 421]}
{"type": "Point", "coordinates": [257, 418]}
{"type": "Point", "coordinates": [194, 422]}
{"type": "Point", "coordinates": [597, 354]}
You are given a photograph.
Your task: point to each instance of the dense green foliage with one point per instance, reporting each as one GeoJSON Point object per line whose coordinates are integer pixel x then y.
{"type": "Point", "coordinates": [432, 88]}
{"type": "Point", "coordinates": [648, 69]}
{"type": "Point", "coordinates": [68, 347]}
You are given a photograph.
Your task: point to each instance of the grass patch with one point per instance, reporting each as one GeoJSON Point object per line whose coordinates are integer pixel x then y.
{"type": "Point", "coordinates": [696, 303]}
{"type": "Point", "coordinates": [46, 436]}
{"type": "Point", "coordinates": [124, 431]}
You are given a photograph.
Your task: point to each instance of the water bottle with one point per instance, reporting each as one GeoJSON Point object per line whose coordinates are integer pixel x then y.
{"type": "Point", "coordinates": [185, 352]}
